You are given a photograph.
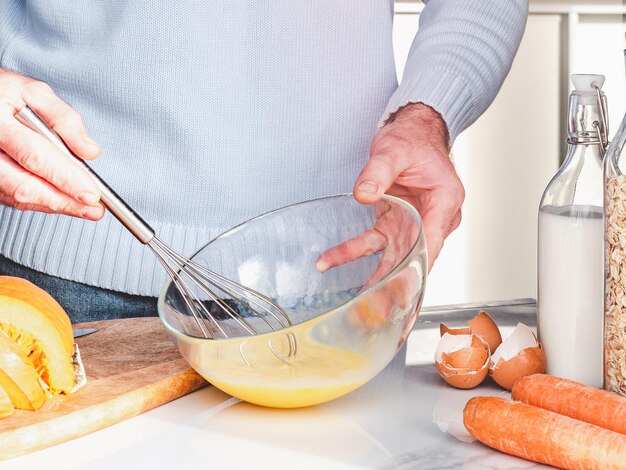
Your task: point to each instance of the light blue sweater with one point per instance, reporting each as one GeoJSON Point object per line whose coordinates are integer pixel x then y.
{"type": "Point", "coordinates": [210, 113]}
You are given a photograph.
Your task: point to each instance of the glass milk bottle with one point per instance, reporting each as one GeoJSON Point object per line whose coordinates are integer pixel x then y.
{"type": "Point", "coordinates": [615, 264]}
{"type": "Point", "coordinates": [570, 294]}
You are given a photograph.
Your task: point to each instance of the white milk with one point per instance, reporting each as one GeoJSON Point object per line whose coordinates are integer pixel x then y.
{"type": "Point", "coordinates": [570, 292]}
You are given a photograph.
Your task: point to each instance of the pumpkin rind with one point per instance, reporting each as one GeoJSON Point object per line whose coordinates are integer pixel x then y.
{"type": "Point", "coordinates": [41, 328]}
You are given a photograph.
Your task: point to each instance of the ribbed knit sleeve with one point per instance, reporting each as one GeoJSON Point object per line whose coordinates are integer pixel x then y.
{"type": "Point", "coordinates": [9, 12]}
{"type": "Point", "coordinates": [460, 57]}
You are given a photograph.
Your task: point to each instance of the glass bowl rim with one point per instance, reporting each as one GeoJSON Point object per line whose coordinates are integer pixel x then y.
{"type": "Point", "coordinates": [400, 265]}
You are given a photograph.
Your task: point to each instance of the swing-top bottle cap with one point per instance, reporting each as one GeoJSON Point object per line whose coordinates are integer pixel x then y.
{"type": "Point", "coordinates": [586, 82]}
{"type": "Point", "coordinates": [587, 122]}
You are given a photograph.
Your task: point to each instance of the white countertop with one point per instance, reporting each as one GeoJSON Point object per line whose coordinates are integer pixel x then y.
{"type": "Point", "coordinates": [396, 421]}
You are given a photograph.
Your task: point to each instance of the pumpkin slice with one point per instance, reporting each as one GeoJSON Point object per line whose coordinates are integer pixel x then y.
{"type": "Point", "coordinates": [6, 405]}
{"type": "Point", "coordinates": [18, 378]}
{"type": "Point", "coordinates": [42, 330]}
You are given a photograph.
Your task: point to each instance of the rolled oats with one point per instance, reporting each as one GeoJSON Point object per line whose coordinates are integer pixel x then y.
{"type": "Point", "coordinates": [615, 289]}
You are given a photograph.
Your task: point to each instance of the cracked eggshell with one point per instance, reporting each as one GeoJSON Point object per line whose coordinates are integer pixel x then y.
{"type": "Point", "coordinates": [518, 356]}
{"type": "Point", "coordinates": [485, 327]}
{"type": "Point", "coordinates": [443, 329]}
{"type": "Point", "coordinates": [448, 412]}
{"type": "Point", "coordinates": [462, 360]}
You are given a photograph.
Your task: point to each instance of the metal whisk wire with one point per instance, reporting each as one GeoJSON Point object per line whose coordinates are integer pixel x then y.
{"type": "Point", "coordinates": [177, 266]}
{"type": "Point", "coordinates": [186, 275]}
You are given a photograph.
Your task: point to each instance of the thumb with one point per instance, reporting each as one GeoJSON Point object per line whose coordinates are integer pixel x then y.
{"type": "Point", "coordinates": [377, 176]}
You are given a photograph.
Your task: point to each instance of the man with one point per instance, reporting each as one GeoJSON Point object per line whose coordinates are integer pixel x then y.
{"type": "Point", "coordinates": [209, 113]}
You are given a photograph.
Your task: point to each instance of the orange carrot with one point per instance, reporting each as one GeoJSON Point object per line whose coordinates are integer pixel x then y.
{"type": "Point", "coordinates": [543, 436]}
{"type": "Point", "coordinates": [573, 399]}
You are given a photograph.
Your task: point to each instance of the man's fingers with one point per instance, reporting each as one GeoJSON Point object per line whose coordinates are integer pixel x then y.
{"type": "Point", "coordinates": [439, 221]}
{"type": "Point", "coordinates": [34, 174]}
{"type": "Point", "coordinates": [35, 154]}
{"type": "Point", "coordinates": [61, 117]}
{"type": "Point", "coordinates": [23, 190]}
{"type": "Point", "coordinates": [387, 262]}
{"type": "Point", "coordinates": [364, 244]}
{"type": "Point", "coordinates": [377, 176]}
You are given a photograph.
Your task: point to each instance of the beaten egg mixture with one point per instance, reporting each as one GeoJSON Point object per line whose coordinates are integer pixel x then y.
{"type": "Point", "coordinates": [315, 374]}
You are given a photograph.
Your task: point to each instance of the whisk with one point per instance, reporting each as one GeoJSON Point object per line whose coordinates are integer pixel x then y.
{"type": "Point", "coordinates": [192, 280]}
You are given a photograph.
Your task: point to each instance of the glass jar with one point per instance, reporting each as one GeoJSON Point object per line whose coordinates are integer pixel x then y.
{"type": "Point", "coordinates": [615, 265]}
{"type": "Point", "coordinates": [570, 274]}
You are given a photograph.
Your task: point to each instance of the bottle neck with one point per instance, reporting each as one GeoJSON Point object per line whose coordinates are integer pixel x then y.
{"type": "Point", "coordinates": [584, 150]}
{"type": "Point", "coordinates": [580, 180]}
{"type": "Point", "coordinates": [587, 123]}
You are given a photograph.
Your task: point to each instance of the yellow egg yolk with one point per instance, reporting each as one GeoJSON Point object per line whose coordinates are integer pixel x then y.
{"type": "Point", "coordinates": [315, 374]}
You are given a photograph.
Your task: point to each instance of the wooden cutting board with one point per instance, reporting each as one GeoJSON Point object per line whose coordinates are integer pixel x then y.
{"type": "Point", "coordinates": [132, 366]}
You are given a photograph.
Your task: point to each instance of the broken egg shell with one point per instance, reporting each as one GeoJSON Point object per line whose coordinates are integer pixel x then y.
{"type": "Point", "coordinates": [448, 412]}
{"type": "Point", "coordinates": [462, 360]}
{"type": "Point", "coordinates": [485, 327]}
{"type": "Point", "coordinates": [443, 329]}
{"type": "Point", "coordinates": [471, 358]}
{"type": "Point", "coordinates": [526, 362]}
{"type": "Point", "coordinates": [462, 378]}
{"type": "Point", "coordinates": [518, 356]}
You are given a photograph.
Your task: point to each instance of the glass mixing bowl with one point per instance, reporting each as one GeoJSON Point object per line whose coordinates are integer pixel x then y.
{"type": "Point", "coordinates": [348, 322]}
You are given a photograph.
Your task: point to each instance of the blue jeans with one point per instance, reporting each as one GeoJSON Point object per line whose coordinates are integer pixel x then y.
{"type": "Point", "coordinates": [82, 302]}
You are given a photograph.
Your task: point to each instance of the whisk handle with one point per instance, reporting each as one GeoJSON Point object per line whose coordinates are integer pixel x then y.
{"type": "Point", "coordinates": [116, 205]}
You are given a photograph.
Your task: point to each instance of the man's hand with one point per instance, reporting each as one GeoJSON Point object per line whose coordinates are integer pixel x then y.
{"type": "Point", "coordinates": [409, 158]}
{"type": "Point", "coordinates": [393, 234]}
{"type": "Point", "coordinates": [34, 175]}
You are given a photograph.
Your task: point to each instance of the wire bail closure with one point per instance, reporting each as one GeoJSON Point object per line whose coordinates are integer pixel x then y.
{"type": "Point", "coordinates": [602, 129]}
